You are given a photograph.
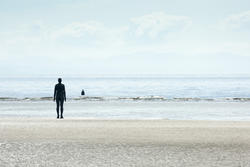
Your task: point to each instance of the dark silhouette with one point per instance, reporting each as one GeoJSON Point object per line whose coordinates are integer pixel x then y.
{"type": "Point", "coordinates": [83, 93]}
{"type": "Point", "coordinates": [59, 97]}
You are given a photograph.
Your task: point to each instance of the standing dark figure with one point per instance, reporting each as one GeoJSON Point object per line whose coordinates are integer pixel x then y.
{"type": "Point", "coordinates": [59, 96]}
{"type": "Point", "coordinates": [82, 93]}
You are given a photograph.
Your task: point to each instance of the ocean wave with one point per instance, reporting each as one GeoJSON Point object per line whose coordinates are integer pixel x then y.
{"type": "Point", "coordinates": [138, 98]}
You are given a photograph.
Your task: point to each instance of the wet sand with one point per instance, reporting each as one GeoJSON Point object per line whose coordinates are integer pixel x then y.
{"type": "Point", "coordinates": [80, 142]}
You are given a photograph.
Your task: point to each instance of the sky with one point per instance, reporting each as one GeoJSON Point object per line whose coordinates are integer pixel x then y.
{"type": "Point", "coordinates": [118, 37]}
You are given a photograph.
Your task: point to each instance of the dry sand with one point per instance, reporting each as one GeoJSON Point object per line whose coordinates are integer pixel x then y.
{"type": "Point", "coordinates": [79, 142]}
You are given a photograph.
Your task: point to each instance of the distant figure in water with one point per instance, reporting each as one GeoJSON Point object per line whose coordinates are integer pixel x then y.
{"type": "Point", "coordinates": [59, 97]}
{"type": "Point", "coordinates": [82, 93]}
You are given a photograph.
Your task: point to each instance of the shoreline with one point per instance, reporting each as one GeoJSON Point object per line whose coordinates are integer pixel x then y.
{"type": "Point", "coordinates": [237, 111]}
{"type": "Point", "coordinates": [152, 98]}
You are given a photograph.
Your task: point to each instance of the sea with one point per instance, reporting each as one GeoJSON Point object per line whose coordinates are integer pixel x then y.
{"type": "Point", "coordinates": [167, 87]}
{"type": "Point", "coordinates": [130, 97]}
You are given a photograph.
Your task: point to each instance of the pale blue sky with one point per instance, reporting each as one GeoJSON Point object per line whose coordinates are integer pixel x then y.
{"type": "Point", "coordinates": [84, 37]}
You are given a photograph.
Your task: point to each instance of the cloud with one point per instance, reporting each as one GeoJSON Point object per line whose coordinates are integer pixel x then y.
{"type": "Point", "coordinates": [159, 22]}
{"type": "Point", "coordinates": [79, 29]}
{"type": "Point", "coordinates": [94, 41]}
{"type": "Point", "coordinates": [85, 40]}
{"type": "Point", "coordinates": [237, 21]}
{"type": "Point", "coordinates": [91, 39]}
{"type": "Point", "coordinates": [73, 41]}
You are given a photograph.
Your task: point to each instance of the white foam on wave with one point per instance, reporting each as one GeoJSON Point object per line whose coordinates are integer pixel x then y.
{"type": "Point", "coordinates": [136, 98]}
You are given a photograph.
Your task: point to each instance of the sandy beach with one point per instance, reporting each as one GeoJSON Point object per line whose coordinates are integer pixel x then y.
{"type": "Point", "coordinates": [81, 142]}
